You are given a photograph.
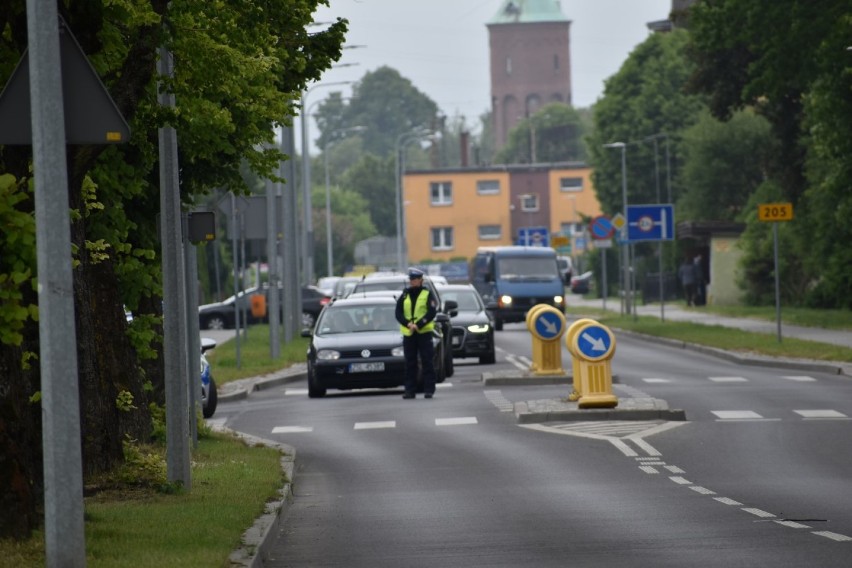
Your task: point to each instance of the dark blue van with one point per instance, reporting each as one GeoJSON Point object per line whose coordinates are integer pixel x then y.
{"type": "Point", "coordinates": [513, 279]}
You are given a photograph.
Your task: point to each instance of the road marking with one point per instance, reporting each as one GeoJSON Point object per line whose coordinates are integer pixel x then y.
{"type": "Point", "coordinates": [758, 512]}
{"type": "Point", "coordinates": [653, 380]}
{"type": "Point", "coordinates": [294, 392]}
{"type": "Point", "coordinates": [801, 379]}
{"type": "Point", "coordinates": [817, 414]}
{"type": "Point", "coordinates": [291, 429]}
{"type": "Point", "coordinates": [455, 421]}
{"type": "Point", "coordinates": [702, 490]}
{"type": "Point", "coordinates": [737, 415]}
{"type": "Point", "coordinates": [648, 448]}
{"type": "Point", "coordinates": [648, 469]}
{"type": "Point", "coordinates": [444, 385]}
{"type": "Point", "coordinates": [792, 524]}
{"type": "Point", "coordinates": [375, 425]}
{"type": "Point", "coordinates": [680, 480]}
{"type": "Point", "coordinates": [496, 398]}
{"type": "Point", "coordinates": [833, 536]}
{"type": "Point", "coordinates": [513, 359]}
{"type": "Point", "coordinates": [674, 469]}
{"type": "Point", "coordinates": [728, 501]}
{"type": "Point", "coordinates": [728, 379]}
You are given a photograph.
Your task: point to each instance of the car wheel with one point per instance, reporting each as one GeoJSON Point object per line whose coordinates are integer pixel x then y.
{"type": "Point", "coordinates": [209, 406]}
{"type": "Point", "coordinates": [214, 322]}
{"type": "Point", "coordinates": [308, 320]}
{"type": "Point", "coordinates": [498, 324]}
{"type": "Point", "coordinates": [489, 359]}
{"type": "Point", "coordinates": [314, 389]}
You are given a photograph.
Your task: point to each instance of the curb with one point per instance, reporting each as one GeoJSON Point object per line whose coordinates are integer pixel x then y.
{"type": "Point", "coordinates": [262, 383]}
{"type": "Point", "coordinates": [753, 360]}
{"type": "Point", "coordinates": [258, 539]}
{"type": "Point", "coordinates": [660, 411]}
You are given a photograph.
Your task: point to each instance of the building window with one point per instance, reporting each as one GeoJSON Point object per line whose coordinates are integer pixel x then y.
{"type": "Point", "coordinates": [508, 66]}
{"type": "Point", "coordinates": [529, 202]}
{"type": "Point", "coordinates": [570, 184]}
{"type": "Point", "coordinates": [442, 238]}
{"type": "Point", "coordinates": [490, 232]}
{"type": "Point", "coordinates": [442, 193]}
{"type": "Point", "coordinates": [573, 229]}
{"type": "Point", "coordinates": [488, 187]}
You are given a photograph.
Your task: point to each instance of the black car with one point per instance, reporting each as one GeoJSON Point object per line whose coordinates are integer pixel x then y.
{"type": "Point", "coordinates": [473, 325]}
{"type": "Point", "coordinates": [399, 282]}
{"type": "Point", "coordinates": [220, 315]}
{"type": "Point", "coordinates": [357, 344]}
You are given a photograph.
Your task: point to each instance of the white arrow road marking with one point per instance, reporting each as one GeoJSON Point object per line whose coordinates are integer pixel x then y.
{"type": "Point", "coordinates": [597, 344]}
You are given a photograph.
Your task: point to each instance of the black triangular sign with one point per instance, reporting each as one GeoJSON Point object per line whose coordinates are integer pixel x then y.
{"type": "Point", "coordinates": [91, 116]}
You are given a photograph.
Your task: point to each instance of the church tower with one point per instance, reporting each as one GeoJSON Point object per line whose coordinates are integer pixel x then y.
{"type": "Point", "coordinates": [530, 61]}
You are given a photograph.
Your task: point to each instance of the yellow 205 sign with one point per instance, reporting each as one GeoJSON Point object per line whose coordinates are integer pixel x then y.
{"type": "Point", "coordinates": [775, 212]}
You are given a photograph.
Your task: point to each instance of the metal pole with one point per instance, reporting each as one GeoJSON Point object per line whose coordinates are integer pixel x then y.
{"type": "Point", "coordinates": [777, 281]}
{"type": "Point", "coordinates": [174, 328]}
{"type": "Point", "coordinates": [273, 310]}
{"type": "Point", "coordinates": [308, 243]}
{"type": "Point", "coordinates": [626, 252]}
{"type": "Point", "coordinates": [399, 262]}
{"type": "Point", "coordinates": [603, 277]}
{"type": "Point", "coordinates": [236, 256]}
{"type": "Point", "coordinates": [329, 251]}
{"type": "Point", "coordinates": [289, 241]}
{"type": "Point", "coordinates": [64, 533]}
{"type": "Point", "coordinates": [193, 336]}
{"type": "Point", "coordinates": [659, 244]}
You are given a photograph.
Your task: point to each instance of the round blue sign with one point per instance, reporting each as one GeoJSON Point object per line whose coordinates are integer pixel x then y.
{"type": "Point", "coordinates": [548, 325]}
{"type": "Point", "coordinates": [594, 342]}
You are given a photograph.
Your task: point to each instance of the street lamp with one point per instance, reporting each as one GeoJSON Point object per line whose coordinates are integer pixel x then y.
{"type": "Point", "coordinates": [401, 142]}
{"type": "Point", "coordinates": [307, 245]}
{"type": "Point", "coordinates": [626, 254]}
{"type": "Point", "coordinates": [329, 251]}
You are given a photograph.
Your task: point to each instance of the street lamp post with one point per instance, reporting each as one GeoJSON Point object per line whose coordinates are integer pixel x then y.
{"type": "Point", "coordinates": [401, 142]}
{"type": "Point", "coordinates": [329, 248]}
{"type": "Point", "coordinates": [625, 253]}
{"type": "Point", "coordinates": [656, 137]}
{"type": "Point", "coordinates": [308, 236]}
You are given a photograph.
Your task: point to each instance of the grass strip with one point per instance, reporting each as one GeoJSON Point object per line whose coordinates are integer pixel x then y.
{"type": "Point", "coordinates": [255, 359]}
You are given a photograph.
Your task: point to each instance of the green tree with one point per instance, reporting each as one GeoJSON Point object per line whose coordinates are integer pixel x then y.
{"type": "Point", "coordinates": [645, 98]}
{"type": "Point", "coordinates": [373, 179]}
{"type": "Point", "coordinates": [724, 164]}
{"type": "Point", "coordinates": [238, 70]}
{"type": "Point", "coordinates": [350, 224]}
{"type": "Point", "coordinates": [554, 133]}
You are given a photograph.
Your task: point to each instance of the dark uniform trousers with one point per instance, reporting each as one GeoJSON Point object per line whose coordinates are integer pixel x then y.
{"type": "Point", "coordinates": [414, 345]}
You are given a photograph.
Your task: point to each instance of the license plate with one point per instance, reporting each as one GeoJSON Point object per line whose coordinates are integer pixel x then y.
{"type": "Point", "coordinates": [366, 367]}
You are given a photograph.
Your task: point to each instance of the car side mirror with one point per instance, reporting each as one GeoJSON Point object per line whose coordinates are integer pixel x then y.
{"type": "Point", "coordinates": [451, 305]}
{"type": "Point", "coordinates": [306, 332]}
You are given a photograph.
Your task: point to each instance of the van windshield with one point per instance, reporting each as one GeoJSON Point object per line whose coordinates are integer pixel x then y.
{"type": "Point", "coordinates": [527, 268]}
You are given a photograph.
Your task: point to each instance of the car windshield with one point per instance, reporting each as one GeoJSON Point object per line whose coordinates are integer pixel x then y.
{"type": "Point", "coordinates": [367, 286]}
{"type": "Point", "coordinates": [360, 318]}
{"type": "Point", "coordinates": [468, 300]}
{"type": "Point", "coordinates": [527, 268]}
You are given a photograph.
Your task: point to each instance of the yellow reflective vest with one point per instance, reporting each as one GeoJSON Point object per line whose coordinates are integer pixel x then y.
{"type": "Point", "coordinates": [420, 309]}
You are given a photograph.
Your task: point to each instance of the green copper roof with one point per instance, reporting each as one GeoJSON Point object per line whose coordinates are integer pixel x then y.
{"type": "Point", "coordinates": [526, 11]}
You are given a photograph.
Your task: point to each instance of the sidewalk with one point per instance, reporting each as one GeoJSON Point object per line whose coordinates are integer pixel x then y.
{"type": "Point", "coordinates": [676, 312]}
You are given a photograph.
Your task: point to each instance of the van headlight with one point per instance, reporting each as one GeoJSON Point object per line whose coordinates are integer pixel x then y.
{"type": "Point", "coordinates": [505, 301]}
{"type": "Point", "coordinates": [558, 300]}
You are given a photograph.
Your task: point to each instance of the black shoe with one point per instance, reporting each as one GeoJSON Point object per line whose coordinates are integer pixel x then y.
{"type": "Point", "coordinates": [428, 395]}
{"type": "Point", "coordinates": [408, 395]}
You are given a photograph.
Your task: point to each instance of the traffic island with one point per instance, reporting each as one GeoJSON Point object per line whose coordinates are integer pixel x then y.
{"type": "Point", "coordinates": [563, 410]}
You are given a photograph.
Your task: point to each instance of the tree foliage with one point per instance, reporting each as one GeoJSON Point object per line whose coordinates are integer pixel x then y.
{"type": "Point", "coordinates": [554, 134]}
{"type": "Point", "coordinates": [239, 68]}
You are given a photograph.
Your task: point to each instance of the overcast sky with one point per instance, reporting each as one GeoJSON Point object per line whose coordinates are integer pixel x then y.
{"type": "Point", "coordinates": [441, 46]}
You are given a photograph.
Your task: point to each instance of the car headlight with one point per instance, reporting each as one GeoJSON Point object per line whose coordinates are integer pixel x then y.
{"type": "Point", "coordinates": [328, 355]}
{"type": "Point", "coordinates": [558, 300]}
{"type": "Point", "coordinates": [505, 301]}
{"type": "Point", "coordinates": [398, 351]}
{"type": "Point", "coordinates": [476, 328]}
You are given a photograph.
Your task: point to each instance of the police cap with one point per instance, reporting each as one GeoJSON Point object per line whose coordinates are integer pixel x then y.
{"type": "Point", "coordinates": [414, 273]}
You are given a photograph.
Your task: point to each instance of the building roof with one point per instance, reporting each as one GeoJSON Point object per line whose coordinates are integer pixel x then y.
{"type": "Point", "coordinates": [528, 11]}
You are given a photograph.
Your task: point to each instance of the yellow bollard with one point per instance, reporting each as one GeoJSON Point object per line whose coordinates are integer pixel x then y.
{"type": "Point", "coordinates": [575, 361]}
{"type": "Point", "coordinates": [594, 346]}
{"type": "Point", "coordinates": [536, 346]}
{"type": "Point", "coordinates": [547, 326]}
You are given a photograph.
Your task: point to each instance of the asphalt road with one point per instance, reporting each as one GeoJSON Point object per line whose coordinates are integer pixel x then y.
{"type": "Point", "coordinates": [759, 476]}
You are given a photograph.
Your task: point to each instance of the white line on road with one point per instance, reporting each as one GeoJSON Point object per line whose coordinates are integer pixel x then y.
{"type": "Point", "coordinates": [758, 512]}
{"type": "Point", "coordinates": [820, 414]}
{"type": "Point", "coordinates": [728, 379]}
{"type": "Point", "coordinates": [728, 501]}
{"type": "Point", "coordinates": [800, 378]}
{"type": "Point", "coordinates": [375, 425]}
{"type": "Point", "coordinates": [455, 421]}
{"type": "Point", "coordinates": [291, 429]}
{"type": "Point", "coordinates": [833, 536]}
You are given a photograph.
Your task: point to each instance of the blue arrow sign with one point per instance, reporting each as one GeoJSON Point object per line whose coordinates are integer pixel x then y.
{"type": "Point", "coordinates": [650, 223]}
{"type": "Point", "coordinates": [594, 342]}
{"type": "Point", "coordinates": [548, 325]}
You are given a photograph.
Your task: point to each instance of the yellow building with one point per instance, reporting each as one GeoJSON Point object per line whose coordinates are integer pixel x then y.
{"type": "Point", "coordinates": [449, 213]}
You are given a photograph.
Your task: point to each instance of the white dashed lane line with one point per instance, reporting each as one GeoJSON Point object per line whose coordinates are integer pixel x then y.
{"type": "Point", "coordinates": [456, 421]}
{"type": "Point", "coordinates": [375, 425]}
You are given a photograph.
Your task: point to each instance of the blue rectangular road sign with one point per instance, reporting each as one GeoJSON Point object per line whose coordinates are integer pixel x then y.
{"type": "Point", "coordinates": [650, 223]}
{"type": "Point", "coordinates": [533, 237]}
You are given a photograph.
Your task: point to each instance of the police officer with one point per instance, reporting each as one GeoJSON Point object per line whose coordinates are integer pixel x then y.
{"type": "Point", "coordinates": [415, 312]}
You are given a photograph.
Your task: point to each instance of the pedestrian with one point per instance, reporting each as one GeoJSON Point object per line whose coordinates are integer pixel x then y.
{"type": "Point", "coordinates": [415, 311]}
{"type": "Point", "coordinates": [700, 281]}
{"type": "Point", "coordinates": [686, 273]}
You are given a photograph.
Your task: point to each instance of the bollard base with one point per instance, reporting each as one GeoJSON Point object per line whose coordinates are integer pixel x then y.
{"type": "Point", "coordinates": [598, 401]}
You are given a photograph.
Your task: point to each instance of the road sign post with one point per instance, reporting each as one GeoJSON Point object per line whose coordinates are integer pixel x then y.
{"type": "Point", "coordinates": [593, 344]}
{"type": "Point", "coordinates": [775, 213]}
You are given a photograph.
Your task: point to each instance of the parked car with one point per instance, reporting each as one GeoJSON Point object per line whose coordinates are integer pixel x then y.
{"type": "Point", "coordinates": [399, 282]}
{"type": "Point", "coordinates": [473, 326]}
{"type": "Point", "coordinates": [326, 284]}
{"type": "Point", "coordinates": [357, 344]}
{"type": "Point", "coordinates": [209, 395]}
{"type": "Point", "coordinates": [220, 315]}
{"type": "Point", "coordinates": [343, 286]}
{"type": "Point", "coordinates": [582, 284]}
